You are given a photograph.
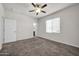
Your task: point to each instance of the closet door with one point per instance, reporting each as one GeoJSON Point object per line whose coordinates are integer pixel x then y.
{"type": "Point", "coordinates": [10, 30]}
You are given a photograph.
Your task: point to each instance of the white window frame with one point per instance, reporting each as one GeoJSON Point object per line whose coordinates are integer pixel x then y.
{"type": "Point", "coordinates": [53, 25]}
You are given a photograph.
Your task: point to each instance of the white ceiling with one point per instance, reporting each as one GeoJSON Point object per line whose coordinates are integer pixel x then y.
{"type": "Point", "coordinates": [23, 8]}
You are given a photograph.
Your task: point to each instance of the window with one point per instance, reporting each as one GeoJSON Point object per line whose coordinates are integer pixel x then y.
{"type": "Point", "coordinates": [53, 25]}
{"type": "Point", "coordinates": [34, 26]}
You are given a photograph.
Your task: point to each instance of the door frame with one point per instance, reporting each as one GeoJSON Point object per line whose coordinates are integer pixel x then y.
{"type": "Point", "coordinates": [4, 18]}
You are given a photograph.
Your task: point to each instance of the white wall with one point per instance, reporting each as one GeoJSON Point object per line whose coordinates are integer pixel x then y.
{"type": "Point", "coordinates": [24, 24]}
{"type": "Point", "coordinates": [36, 27]}
{"type": "Point", "coordinates": [1, 24]}
{"type": "Point", "coordinates": [69, 26]}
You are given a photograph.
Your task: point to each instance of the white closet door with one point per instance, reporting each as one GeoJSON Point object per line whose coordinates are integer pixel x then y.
{"type": "Point", "coordinates": [10, 30]}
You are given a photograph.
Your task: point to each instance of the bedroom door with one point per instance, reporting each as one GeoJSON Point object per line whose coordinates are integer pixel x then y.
{"type": "Point", "coordinates": [10, 30]}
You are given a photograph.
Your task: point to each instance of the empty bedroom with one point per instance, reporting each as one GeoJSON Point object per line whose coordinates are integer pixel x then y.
{"type": "Point", "coordinates": [39, 29]}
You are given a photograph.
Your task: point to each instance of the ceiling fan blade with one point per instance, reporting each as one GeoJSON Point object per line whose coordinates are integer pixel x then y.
{"type": "Point", "coordinates": [44, 6]}
{"type": "Point", "coordinates": [31, 10]}
{"type": "Point", "coordinates": [36, 13]}
{"type": "Point", "coordinates": [33, 4]}
{"type": "Point", "coordinates": [43, 11]}
{"type": "Point", "coordinates": [37, 5]}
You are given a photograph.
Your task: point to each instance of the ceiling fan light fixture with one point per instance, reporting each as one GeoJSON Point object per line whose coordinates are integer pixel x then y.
{"type": "Point", "coordinates": [37, 10]}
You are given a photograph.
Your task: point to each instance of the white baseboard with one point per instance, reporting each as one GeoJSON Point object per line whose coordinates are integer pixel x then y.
{"type": "Point", "coordinates": [60, 42]}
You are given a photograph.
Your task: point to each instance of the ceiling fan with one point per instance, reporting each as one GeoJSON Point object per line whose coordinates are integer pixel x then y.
{"type": "Point", "coordinates": [38, 8]}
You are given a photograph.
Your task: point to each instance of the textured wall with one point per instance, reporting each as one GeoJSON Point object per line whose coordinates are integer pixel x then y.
{"type": "Point", "coordinates": [24, 24]}
{"type": "Point", "coordinates": [69, 26]}
{"type": "Point", "coordinates": [1, 24]}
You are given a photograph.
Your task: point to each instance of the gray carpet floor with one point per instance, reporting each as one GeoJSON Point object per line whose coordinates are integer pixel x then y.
{"type": "Point", "coordinates": [38, 47]}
